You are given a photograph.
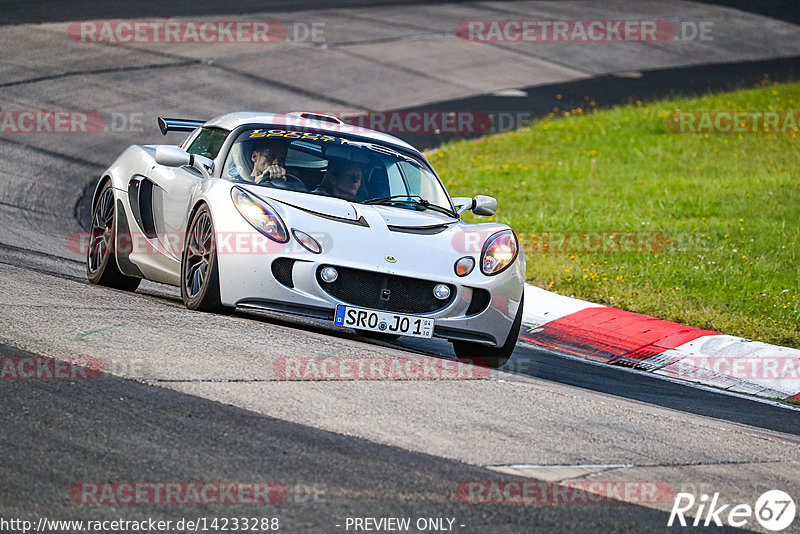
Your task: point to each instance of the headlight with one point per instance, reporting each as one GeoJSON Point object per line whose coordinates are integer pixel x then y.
{"type": "Point", "coordinates": [499, 251]}
{"type": "Point", "coordinates": [259, 214]}
{"type": "Point", "coordinates": [311, 244]}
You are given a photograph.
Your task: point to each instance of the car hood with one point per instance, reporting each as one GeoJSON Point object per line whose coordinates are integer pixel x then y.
{"type": "Point", "coordinates": [406, 218]}
{"type": "Point", "coordinates": [389, 239]}
{"type": "Point", "coordinates": [337, 208]}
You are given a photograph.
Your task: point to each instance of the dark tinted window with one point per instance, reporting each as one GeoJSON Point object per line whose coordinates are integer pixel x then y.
{"type": "Point", "coordinates": [360, 171]}
{"type": "Point", "coordinates": [208, 142]}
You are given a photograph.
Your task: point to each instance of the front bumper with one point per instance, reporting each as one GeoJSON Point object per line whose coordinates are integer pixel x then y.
{"type": "Point", "coordinates": [480, 313]}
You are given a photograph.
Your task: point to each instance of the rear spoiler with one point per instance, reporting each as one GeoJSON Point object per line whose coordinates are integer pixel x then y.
{"type": "Point", "coordinates": [177, 125]}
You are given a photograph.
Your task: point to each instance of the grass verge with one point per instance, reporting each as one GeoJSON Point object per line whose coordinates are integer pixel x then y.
{"type": "Point", "coordinates": [614, 207]}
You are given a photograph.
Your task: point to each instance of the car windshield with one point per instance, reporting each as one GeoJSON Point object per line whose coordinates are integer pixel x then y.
{"type": "Point", "coordinates": [334, 166]}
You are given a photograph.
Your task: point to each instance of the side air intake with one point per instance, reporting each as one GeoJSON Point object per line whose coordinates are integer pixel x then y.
{"type": "Point", "coordinates": [282, 271]}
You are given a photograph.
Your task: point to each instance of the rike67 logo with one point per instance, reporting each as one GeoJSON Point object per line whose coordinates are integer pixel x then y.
{"type": "Point", "coordinates": [774, 510]}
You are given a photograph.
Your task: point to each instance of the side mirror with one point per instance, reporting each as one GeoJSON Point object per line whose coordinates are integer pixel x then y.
{"type": "Point", "coordinates": [484, 205]}
{"type": "Point", "coordinates": [173, 156]}
{"type": "Point", "coordinates": [480, 205]}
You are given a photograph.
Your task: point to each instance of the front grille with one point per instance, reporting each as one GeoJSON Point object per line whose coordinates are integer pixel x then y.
{"type": "Point", "coordinates": [282, 271]}
{"type": "Point", "coordinates": [379, 291]}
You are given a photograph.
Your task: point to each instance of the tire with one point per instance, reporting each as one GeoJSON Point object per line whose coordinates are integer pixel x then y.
{"type": "Point", "coordinates": [487, 356]}
{"type": "Point", "coordinates": [378, 335]}
{"type": "Point", "coordinates": [199, 266]}
{"type": "Point", "coordinates": [101, 264]}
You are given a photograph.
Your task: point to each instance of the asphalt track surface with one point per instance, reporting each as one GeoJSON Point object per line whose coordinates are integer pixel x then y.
{"type": "Point", "coordinates": [121, 429]}
{"type": "Point", "coordinates": [193, 397]}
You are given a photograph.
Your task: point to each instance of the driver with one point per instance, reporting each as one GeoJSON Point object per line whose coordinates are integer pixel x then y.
{"type": "Point", "coordinates": [269, 160]}
{"type": "Point", "coordinates": [343, 179]}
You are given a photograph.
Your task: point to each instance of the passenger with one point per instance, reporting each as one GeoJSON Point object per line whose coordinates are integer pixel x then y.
{"type": "Point", "coordinates": [343, 179]}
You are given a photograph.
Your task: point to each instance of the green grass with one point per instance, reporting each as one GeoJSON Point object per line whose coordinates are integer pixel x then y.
{"type": "Point", "coordinates": [728, 203]}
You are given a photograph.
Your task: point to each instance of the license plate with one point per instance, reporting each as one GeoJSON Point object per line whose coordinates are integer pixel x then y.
{"type": "Point", "coordinates": [380, 321]}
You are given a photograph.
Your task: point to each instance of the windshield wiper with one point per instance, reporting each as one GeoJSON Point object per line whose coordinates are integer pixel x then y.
{"type": "Point", "coordinates": [416, 200]}
{"type": "Point", "coordinates": [410, 198]}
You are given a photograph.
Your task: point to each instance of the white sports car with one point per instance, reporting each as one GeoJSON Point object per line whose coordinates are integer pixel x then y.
{"type": "Point", "coordinates": [302, 214]}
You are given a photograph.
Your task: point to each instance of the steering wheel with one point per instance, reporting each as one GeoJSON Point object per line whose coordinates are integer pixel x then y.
{"type": "Point", "coordinates": [292, 182]}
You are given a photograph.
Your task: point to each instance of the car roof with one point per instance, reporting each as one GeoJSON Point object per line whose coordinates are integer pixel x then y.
{"type": "Point", "coordinates": [322, 123]}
